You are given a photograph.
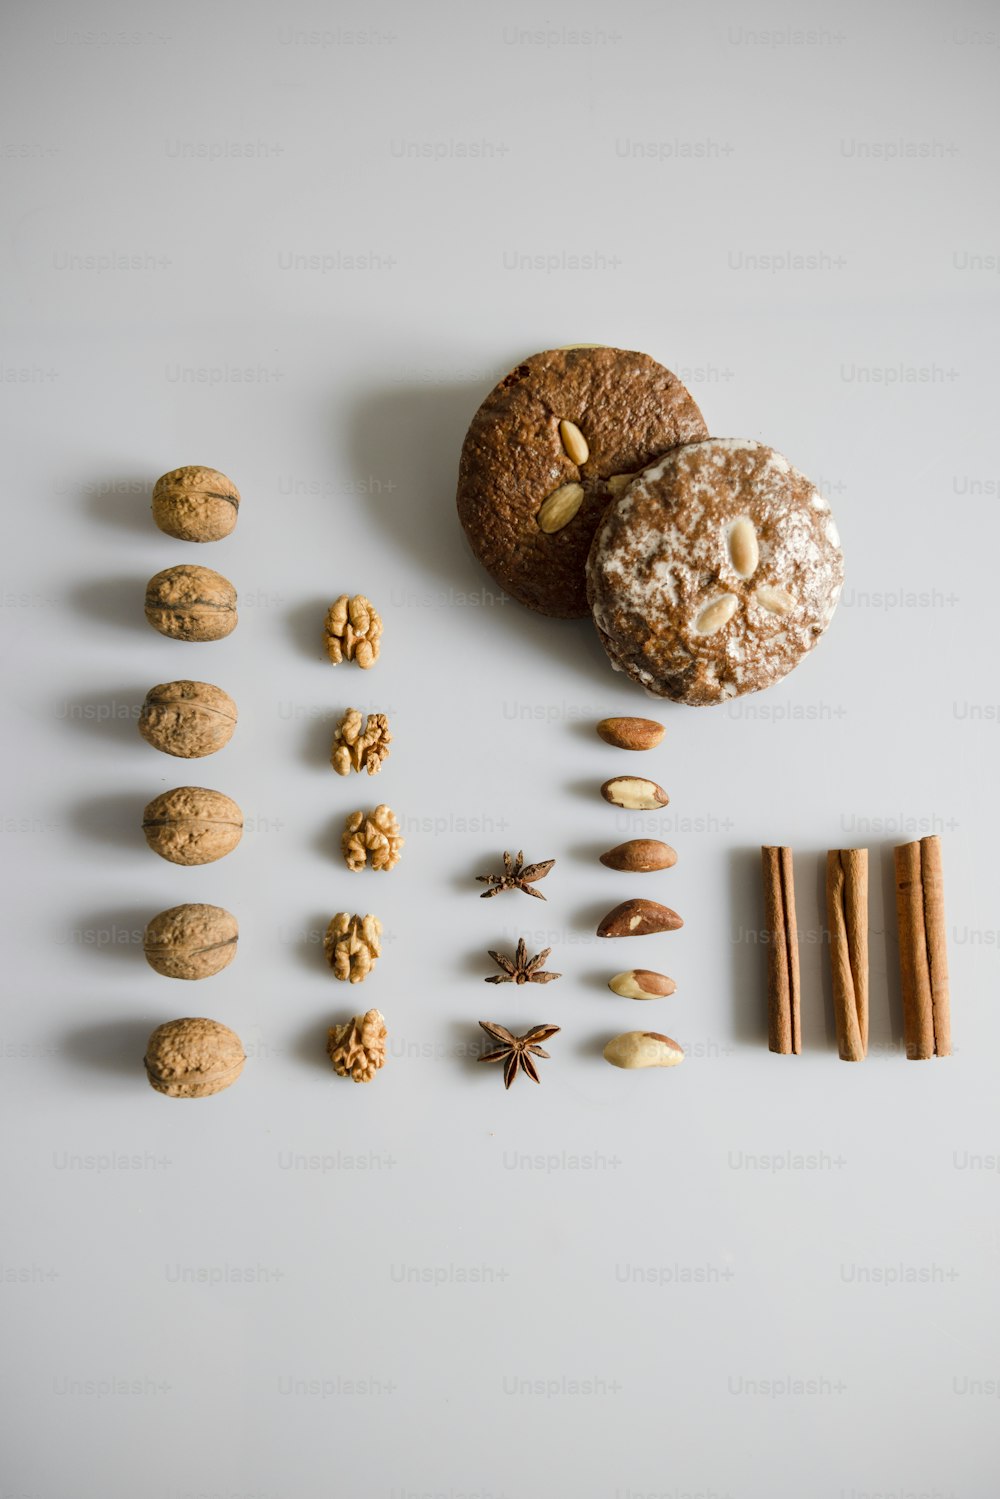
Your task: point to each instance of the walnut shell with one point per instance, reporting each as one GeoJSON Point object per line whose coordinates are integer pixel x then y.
{"type": "Point", "coordinates": [188, 719]}
{"type": "Point", "coordinates": [193, 1058]}
{"type": "Point", "coordinates": [192, 825]}
{"type": "Point", "coordinates": [191, 942]}
{"type": "Point", "coordinates": [191, 603]}
{"type": "Point", "coordinates": [195, 504]}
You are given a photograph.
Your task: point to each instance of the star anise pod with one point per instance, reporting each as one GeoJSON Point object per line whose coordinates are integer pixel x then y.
{"type": "Point", "coordinates": [516, 876]}
{"type": "Point", "coordinates": [520, 969]}
{"type": "Point", "coordinates": [514, 1051]}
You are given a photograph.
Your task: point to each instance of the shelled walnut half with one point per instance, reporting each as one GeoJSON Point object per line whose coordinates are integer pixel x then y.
{"type": "Point", "coordinates": [357, 1048]}
{"type": "Point", "coordinates": [352, 630]}
{"type": "Point", "coordinates": [356, 748]}
{"type": "Point", "coordinates": [375, 833]}
{"type": "Point", "coordinates": [352, 945]}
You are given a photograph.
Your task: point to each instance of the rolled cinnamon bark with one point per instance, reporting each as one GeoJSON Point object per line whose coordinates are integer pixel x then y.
{"type": "Point", "coordinates": [847, 919]}
{"type": "Point", "coordinates": [923, 957]}
{"type": "Point", "coordinates": [784, 1031]}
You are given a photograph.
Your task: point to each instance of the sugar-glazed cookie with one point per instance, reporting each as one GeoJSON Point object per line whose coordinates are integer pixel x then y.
{"type": "Point", "coordinates": [714, 572]}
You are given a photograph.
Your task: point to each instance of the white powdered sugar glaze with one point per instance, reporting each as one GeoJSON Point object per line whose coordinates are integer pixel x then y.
{"type": "Point", "coordinates": [661, 558]}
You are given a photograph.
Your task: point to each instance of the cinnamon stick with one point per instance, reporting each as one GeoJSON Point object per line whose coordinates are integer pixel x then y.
{"type": "Point", "coordinates": [847, 919]}
{"type": "Point", "coordinates": [923, 956]}
{"type": "Point", "coordinates": [784, 1030]}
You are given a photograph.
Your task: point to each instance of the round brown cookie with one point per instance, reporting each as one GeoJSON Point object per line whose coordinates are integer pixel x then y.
{"type": "Point", "coordinates": [573, 424]}
{"type": "Point", "coordinates": [714, 572]}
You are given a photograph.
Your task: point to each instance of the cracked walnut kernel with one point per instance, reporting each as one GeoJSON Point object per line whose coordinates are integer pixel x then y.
{"type": "Point", "coordinates": [357, 1048]}
{"type": "Point", "coordinates": [352, 630]}
{"type": "Point", "coordinates": [375, 833]}
{"type": "Point", "coordinates": [352, 944]}
{"type": "Point", "coordinates": [357, 748]}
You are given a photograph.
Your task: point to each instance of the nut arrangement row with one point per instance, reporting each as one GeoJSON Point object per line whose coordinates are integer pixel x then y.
{"type": "Point", "coordinates": [194, 825]}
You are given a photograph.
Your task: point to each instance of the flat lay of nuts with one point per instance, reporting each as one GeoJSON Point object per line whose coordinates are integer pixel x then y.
{"type": "Point", "coordinates": [356, 748]}
{"type": "Point", "coordinates": [352, 946]}
{"type": "Point", "coordinates": [193, 1058]}
{"type": "Point", "coordinates": [195, 504]}
{"type": "Point", "coordinates": [639, 918]}
{"type": "Point", "coordinates": [192, 825]}
{"type": "Point", "coordinates": [641, 983]}
{"type": "Point", "coordinates": [357, 1048]}
{"type": "Point", "coordinates": [559, 509]}
{"type": "Point", "coordinates": [372, 833]}
{"type": "Point", "coordinates": [643, 1049]}
{"type": "Point", "coordinates": [516, 876]}
{"type": "Point", "coordinates": [574, 443]}
{"type": "Point", "coordinates": [631, 733]}
{"type": "Point", "coordinates": [191, 942]}
{"type": "Point", "coordinates": [187, 719]}
{"type": "Point", "coordinates": [634, 793]}
{"type": "Point", "coordinates": [640, 856]}
{"type": "Point", "coordinates": [191, 603]}
{"type": "Point", "coordinates": [352, 631]}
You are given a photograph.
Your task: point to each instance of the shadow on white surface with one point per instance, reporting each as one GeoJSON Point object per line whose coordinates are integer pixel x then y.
{"type": "Point", "coordinates": [305, 623]}
{"type": "Point", "coordinates": [748, 978]}
{"type": "Point", "coordinates": [113, 818]}
{"type": "Point", "coordinates": [111, 716]}
{"type": "Point", "coordinates": [114, 935]}
{"type": "Point", "coordinates": [117, 601]}
{"type": "Point", "coordinates": [307, 949]}
{"type": "Point", "coordinates": [885, 1003]}
{"type": "Point", "coordinates": [309, 1045]}
{"type": "Point", "coordinates": [113, 1047]}
{"type": "Point", "coordinates": [124, 503]}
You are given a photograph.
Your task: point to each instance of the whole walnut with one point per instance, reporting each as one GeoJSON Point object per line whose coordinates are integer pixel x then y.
{"type": "Point", "coordinates": [352, 944]}
{"type": "Point", "coordinates": [188, 719]}
{"type": "Point", "coordinates": [193, 1058]}
{"type": "Point", "coordinates": [377, 834]}
{"type": "Point", "coordinates": [191, 603]}
{"type": "Point", "coordinates": [357, 1048]}
{"type": "Point", "coordinates": [352, 630]}
{"type": "Point", "coordinates": [191, 942]}
{"type": "Point", "coordinates": [195, 504]}
{"type": "Point", "coordinates": [192, 825]}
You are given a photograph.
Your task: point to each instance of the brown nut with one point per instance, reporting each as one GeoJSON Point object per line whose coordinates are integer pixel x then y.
{"type": "Point", "coordinates": [352, 631]}
{"type": "Point", "coordinates": [357, 1048]}
{"type": "Point", "coordinates": [634, 793]}
{"type": "Point", "coordinates": [191, 942]}
{"type": "Point", "coordinates": [188, 719]}
{"type": "Point", "coordinates": [192, 825]}
{"type": "Point", "coordinates": [639, 918]}
{"type": "Point", "coordinates": [360, 749]}
{"type": "Point", "coordinates": [353, 945]}
{"type": "Point", "coordinates": [193, 1058]}
{"type": "Point", "coordinates": [374, 833]}
{"type": "Point", "coordinates": [643, 1049]}
{"type": "Point", "coordinates": [195, 504]}
{"type": "Point", "coordinates": [640, 856]}
{"type": "Point", "coordinates": [641, 983]}
{"type": "Point", "coordinates": [631, 733]}
{"type": "Point", "coordinates": [191, 603]}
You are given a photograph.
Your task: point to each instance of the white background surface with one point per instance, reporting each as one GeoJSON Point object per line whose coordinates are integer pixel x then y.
{"type": "Point", "coordinates": [750, 1277]}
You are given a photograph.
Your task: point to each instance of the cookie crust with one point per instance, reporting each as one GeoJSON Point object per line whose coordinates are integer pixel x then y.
{"type": "Point", "coordinates": [629, 409]}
